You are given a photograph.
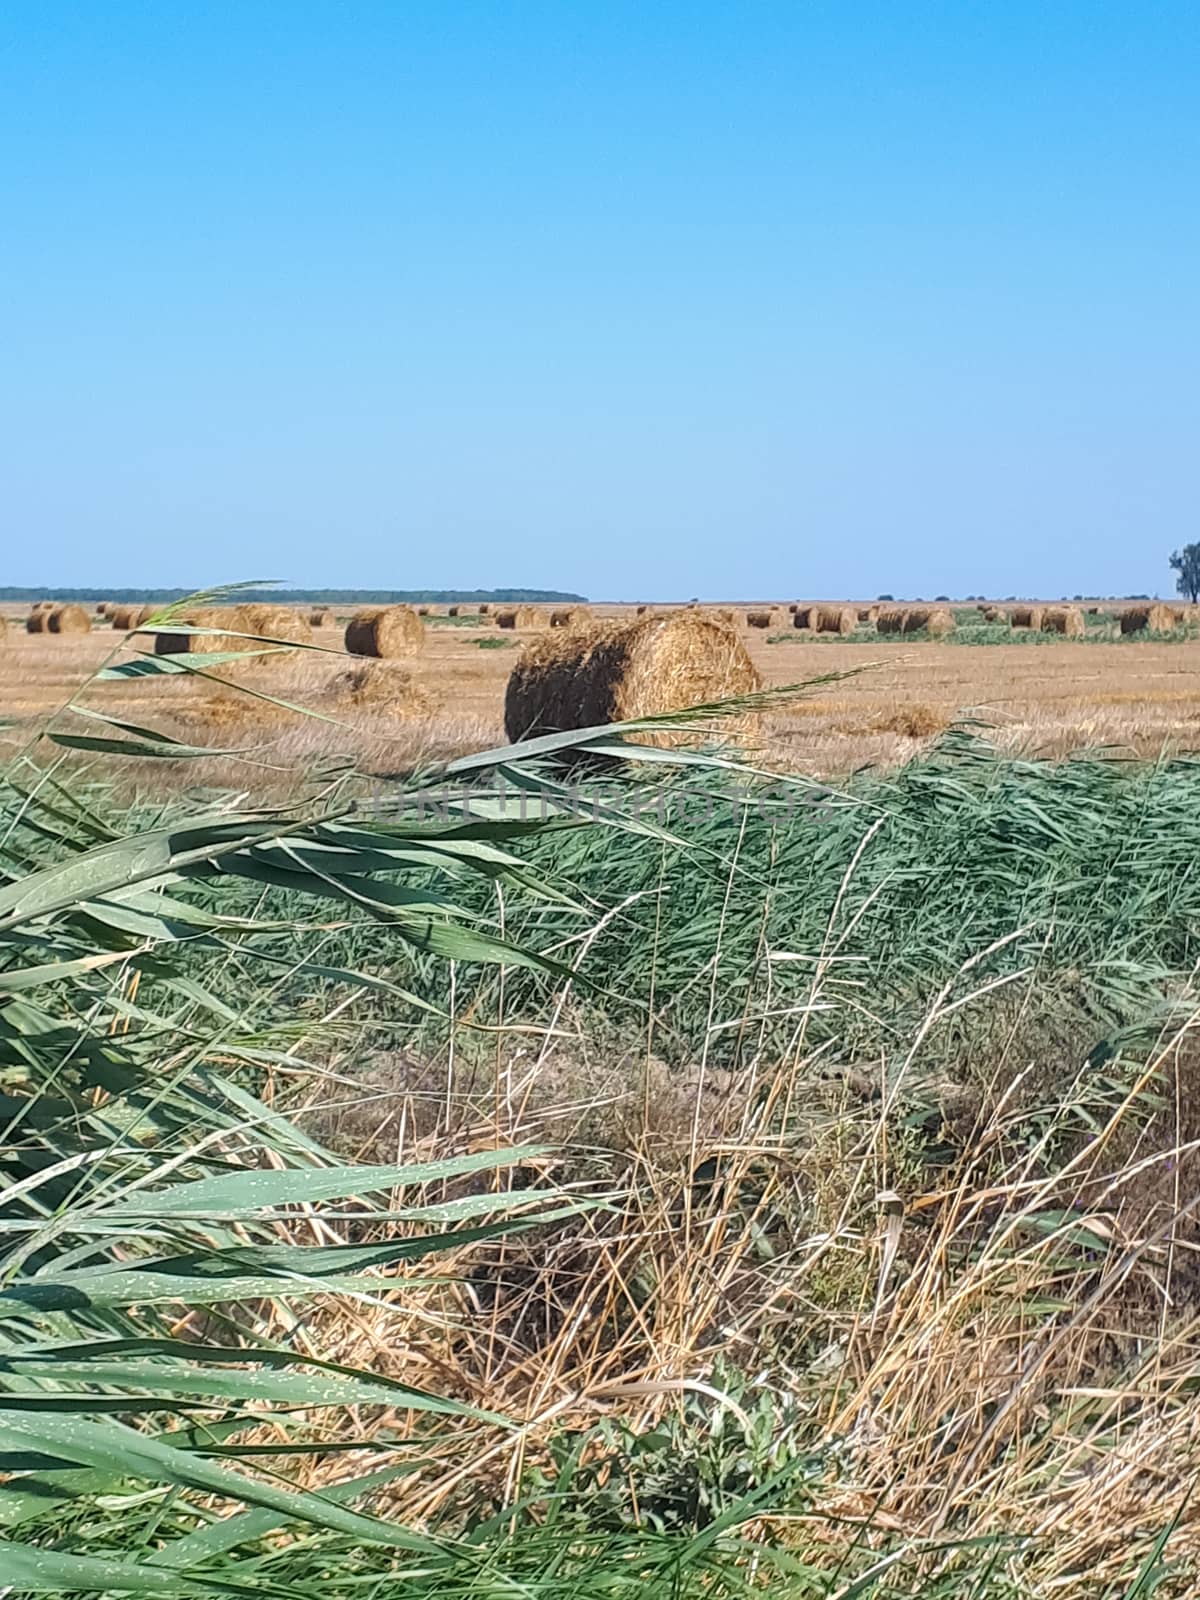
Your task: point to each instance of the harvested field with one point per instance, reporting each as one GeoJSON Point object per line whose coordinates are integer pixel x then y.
{"type": "Point", "coordinates": [1039, 691]}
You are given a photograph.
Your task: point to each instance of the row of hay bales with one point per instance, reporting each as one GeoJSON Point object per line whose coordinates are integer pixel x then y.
{"type": "Point", "coordinates": [49, 617]}
{"type": "Point", "coordinates": [228, 627]}
{"type": "Point", "coordinates": [934, 621]}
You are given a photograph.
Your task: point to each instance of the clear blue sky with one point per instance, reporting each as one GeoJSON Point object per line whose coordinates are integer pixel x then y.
{"type": "Point", "coordinates": [634, 298]}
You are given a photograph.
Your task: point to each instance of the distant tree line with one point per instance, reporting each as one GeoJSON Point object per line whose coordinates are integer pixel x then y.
{"type": "Point", "coordinates": [331, 597]}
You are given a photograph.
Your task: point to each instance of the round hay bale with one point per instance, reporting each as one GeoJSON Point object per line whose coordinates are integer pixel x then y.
{"type": "Point", "coordinates": [993, 614]}
{"type": "Point", "coordinates": [184, 644]}
{"type": "Point", "coordinates": [484, 609]}
{"type": "Point", "coordinates": [36, 622]}
{"type": "Point", "coordinates": [613, 671]}
{"type": "Point", "coordinates": [422, 611]}
{"type": "Point", "coordinates": [762, 619]}
{"type": "Point", "coordinates": [1147, 619]}
{"type": "Point", "coordinates": [835, 619]}
{"type": "Point", "coordinates": [452, 611]}
{"type": "Point", "coordinates": [890, 621]}
{"type": "Point", "coordinates": [1067, 620]}
{"type": "Point", "coordinates": [271, 622]}
{"type": "Point", "coordinates": [44, 605]}
{"type": "Point", "coordinates": [385, 632]}
{"type": "Point", "coordinates": [570, 616]}
{"type": "Point", "coordinates": [642, 610]}
{"type": "Point", "coordinates": [103, 607]}
{"type": "Point", "coordinates": [320, 617]}
{"type": "Point", "coordinates": [936, 621]}
{"type": "Point", "coordinates": [803, 616]}
{"type": "Point", "coordinates": [868, 614]}
{"type": "Point", "coordinates": [68, 619]}
{"type": "Point", "coordinates": [127, 618]}
{"type": "Point", "coordinates": [1093, 611]}
{"type": "Point", "coordinates": [521, 617]}
{"type": "Point", "coordinates": [1026, 617]}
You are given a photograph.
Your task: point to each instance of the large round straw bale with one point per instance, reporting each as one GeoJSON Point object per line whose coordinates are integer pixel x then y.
{"type": "Point", "coordinates": [452, 611]}
{"type": "Point", "coordinates": [271, 622]}
{"type": "Point", "coordinates": [1148, 619]}
{"type": "Point", "coordinates": [386, 632]}
{"type": "Point", "coordinates": [126, 618]}
{"type": "Point", "coordinates": [183, 644]}
{"type": "Point", "coordinates": [521, 617]}
{"type": "Point", "coordinates": [614, 671]}
{"type": "Point", "coordinates": [320, 617]}
{"type": "Point", "coordinates": [993, 614]}
{"type": "Point", "coordinates": [570, 616]}
{"type": "Point", "coordinates": [68, 619]}
{"type": "Point", "coordinates": [1067, 620]}
{"type": "Point", "coordinates": [933, 620]}
{"type": "Point", "coordinates": [890, 621]}
{"type": "Point", "coordinates": [103, 607]}
{"type": "Point", "coordinates": [36, 622]}
{"type": "Point", "coordinates": [484, 609]}
{"type": "Point", "coordinates": [804, 616]}
{"type": "Point", "coordinates": [1026, 617]}
{"type": "Point", "coordinates": [835, 619]}
{"type": "Point", "coordinates": [762, 619]}
{"type": "Point", "coordinates": [869, 614]}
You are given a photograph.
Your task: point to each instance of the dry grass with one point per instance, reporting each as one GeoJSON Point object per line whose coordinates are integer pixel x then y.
{"type": "Point", "coordinates": [947, 1405]}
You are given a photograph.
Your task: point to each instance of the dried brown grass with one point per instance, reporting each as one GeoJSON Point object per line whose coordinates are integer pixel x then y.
{"type": "Point", "coordinates": [913, 721]}
{"type": "Point", "coordinates": [617, 671]}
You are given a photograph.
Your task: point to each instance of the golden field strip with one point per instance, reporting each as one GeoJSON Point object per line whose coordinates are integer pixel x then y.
{"type": "Point", "coordinates": [1053, 697]}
